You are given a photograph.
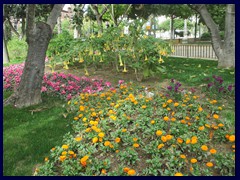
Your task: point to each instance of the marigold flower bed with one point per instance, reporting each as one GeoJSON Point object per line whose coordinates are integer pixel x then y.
{"type": "Point", "coordinates": [123, 132]}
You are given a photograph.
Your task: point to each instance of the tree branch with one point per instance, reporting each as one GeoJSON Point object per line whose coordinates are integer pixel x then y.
{"type": "Point", "coordinates": [104, 10]}
{"type": "Point", "coordinates": [125, 13]}
{"type": "Point", "coordinates": [55, 13]}
{"type": "Point", "coordinates": [12, 28]}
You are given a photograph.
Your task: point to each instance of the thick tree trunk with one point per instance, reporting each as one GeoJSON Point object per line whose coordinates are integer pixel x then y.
{"type": "Point", "coordinates": [224, 51]}
{"type": "Point", "coordinates": [29, 90]}
{"type": "Point", "coordinates": [38, 36]}
{"type": "Point", "coordinates": [171, 28]}
{"type": "Point", "coordinates": [228, 57]}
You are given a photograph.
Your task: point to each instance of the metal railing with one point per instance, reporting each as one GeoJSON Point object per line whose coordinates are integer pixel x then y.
{"type": "Point", "coordinates": [199, 51]}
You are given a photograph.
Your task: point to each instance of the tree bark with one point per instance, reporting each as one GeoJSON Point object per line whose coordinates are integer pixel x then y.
{"type": "Point", "coordinates": [38, 36]}
{"type": "Point", "coordinates": [228, 57]}
{"type": "Point", "coordinates": [224, 51]}
{"type": "Point", "coordinates": [59, 25]}
{"type": "Point", "coordinates": [5, 53]}
{"type": "Point", "coordinates": [23, 28]}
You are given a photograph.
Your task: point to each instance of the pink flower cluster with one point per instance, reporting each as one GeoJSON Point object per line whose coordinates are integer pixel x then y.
{"type": "Point", "coordinates": [64, 85]}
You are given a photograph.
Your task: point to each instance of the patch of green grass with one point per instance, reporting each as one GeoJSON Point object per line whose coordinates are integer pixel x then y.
{"type": "Point", "coordinates": [192, 72]}
{"type": "Point", "coordinates": [30, 133]}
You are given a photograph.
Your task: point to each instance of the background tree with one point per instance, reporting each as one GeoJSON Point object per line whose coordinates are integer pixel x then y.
{"type": "Point", "coordinates": [99, 10]}
{"type": "Point", "coordinates": [225, 51]}
{"type": "Point", "coordinates": [5, 51]}
{"type": "Point", "coordinates": [38, 36]}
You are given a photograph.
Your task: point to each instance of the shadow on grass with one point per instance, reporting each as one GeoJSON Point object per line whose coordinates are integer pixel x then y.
{"type": "Point", "coordinates": [29, 136]}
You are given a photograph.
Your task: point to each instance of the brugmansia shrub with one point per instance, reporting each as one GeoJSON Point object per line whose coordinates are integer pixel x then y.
{"type": "Point", "coordinates": [124, 132]}
{"type": "Point", "coordinates": [136, 51]}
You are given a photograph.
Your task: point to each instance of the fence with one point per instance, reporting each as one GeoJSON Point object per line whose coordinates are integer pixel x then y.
{"type": "Point", "coordinates": [198, 51]}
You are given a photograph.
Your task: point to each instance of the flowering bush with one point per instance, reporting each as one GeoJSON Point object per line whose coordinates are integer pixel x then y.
{"type": "Point", "coordinates": [63, 85]}
{"type": "Point", "coordinates": [123, 132]}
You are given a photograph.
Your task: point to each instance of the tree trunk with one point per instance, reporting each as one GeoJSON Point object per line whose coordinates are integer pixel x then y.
{"type": "Point", "coordinates": [171, 28]}
{"type": "Point", "coordinates": [100, 26]}
{"type": "Point", "coordinates": [59, 25]}
{"type": "Point", "coordinates": [224, 51]}
{"type": "Point", "coordinates": [228, 57]}
{"type": "Point", "coordinates": [23, 28]}
{"type": "Point", "coordinates": [29, 90]}
{"type": "Point", "coordinates": [195, 29]}
{"type": "Point", "coordinates": [5, 53]}
{"type": "Point", "coordinates": [38, 36]}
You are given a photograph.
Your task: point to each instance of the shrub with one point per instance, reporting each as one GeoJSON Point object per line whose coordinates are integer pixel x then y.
{"type": "Point", "coordinates": [17, 49]}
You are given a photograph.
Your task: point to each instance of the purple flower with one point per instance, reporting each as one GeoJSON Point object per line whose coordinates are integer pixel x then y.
{"type": "Point", "coordinates": [230, 87]}
{"type": "Point", "coordinates": [169, 88]}
{"type": "Point", "coordinates": [220, 89]}
{"type": "Point", "coordinates": [210, 85]}
{"type": "Point", "coordinates": [192, 90]}
{"type": "Point", "coordinates": [172, 80]}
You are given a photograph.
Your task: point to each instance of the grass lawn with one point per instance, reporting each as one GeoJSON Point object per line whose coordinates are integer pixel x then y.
{"type": "Point", "coordinates": [30, 133]}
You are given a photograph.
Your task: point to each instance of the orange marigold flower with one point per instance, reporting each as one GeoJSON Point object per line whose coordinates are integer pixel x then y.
{"type": "Point", "coordinates": [187, 118]}
{"type": "Point", "coordinates": [194, 140]}
{"type": "Point", "coordinates": [135, 139]}
{"type": "Point", "coordinates": [160, 146]}
{"type": "Point", "coordinates": [158, 133]}
{"type": "Point", "coordinates": [117, 140]}
{"type": "Point", "coordinates": [213, 151]}
{"type": "Point", "coordinates": [183, 121]}
{"type": "Point", "coordinates": [207, 125]}
{"type": "Point", "coordinates": [126, 169]}
{"type": "Point", "coordinates": [165, 118]}
{"type": "Point", "coordinates": [65, 146]}
{"type": "Point", "coordinates": [169, 101]}
{"type": "Point", "coordinates": [46, 159]}
{"type": "Point", "coordinates": [227, 136]}
{"type": "Point", "coordinates": [144, 106]}
{"type": "Point", "coordinates": [204, 147]}
{"type": "Point", "coordinates": [178, 174]}
{"type": "Point", "coordinates": [131, 172]}
{"type": "Point", "coordinates": [136, 145]}
{"type": "Point", "coordinates": [233, 146]}
{"type": "Point", "coordinates": [53, 148]}
{"type": "Point", "coordinates": [95, 139]}
{"type": "Point", "coordinates": [200, 109]}
{"type": "Point", "coordinates": [232, 138]}
{"type": "Point", "coordinates": [101, 134]}
{"type": "Point", "coordinates": [62, 158]}
{"type": "Point", "coordinates": [176, 104]}
{"type": "Point", "coordinates": [201, 128]}
{"type": "Point", "coordinates": [173, 119]}
{"type": "Point", "coordinates": [209, 164]}
{"type": "Point", "coordinates": [163, 138]}
{"type": "Point", "coordinates": [152, 122]}
{"type": "Point", "coordinates": [215, 116]}
{"type": "Point", "coordinates": [107, 143]}
{"type": "Point", "coordinates": [169, 137]}
{"type": "Point", "coordinates": [179, 140]}
{"type": "Point", "coordinates": [124, 130]}
{"type": "Point", "coordinates": [193, 160]}
{"type": "Point", "coordinates": [78, 138]}
{"type": "Point", "coordinates": [182, 156]}
{"type": "Point", "coordinates": [71, 152]}
{"type": "Point", "coordinates": [164, 105]}
{"type": "Point", "coordinates": [220, 125]}
{"type": "Point", "coordinates": [81, 108]}
{"type": "Point", "coordinates": [188, 141]}
{"type": "Point", "coordinates": [64, 153]}
{"type": "Point", "coordinates": [103, 171]}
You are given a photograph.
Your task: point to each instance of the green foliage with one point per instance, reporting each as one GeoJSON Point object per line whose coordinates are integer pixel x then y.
{"type": "Point", "coordinates": [178, 24]}
{"type": "Point", "coordinates": [135, 51]}
{"type": "Point", "coordinates": [17, 49]}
